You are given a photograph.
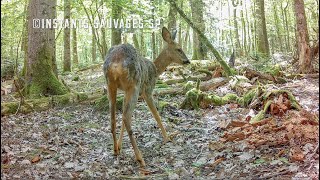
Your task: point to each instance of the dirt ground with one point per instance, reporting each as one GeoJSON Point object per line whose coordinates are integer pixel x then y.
{"type": "Point", "coordinates": [75, 142]}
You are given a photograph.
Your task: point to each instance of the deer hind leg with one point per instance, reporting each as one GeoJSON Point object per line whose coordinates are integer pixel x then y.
{"type": "Point", "coordinates": [121, 136]}
{"type": "Point", "coordinates": [112, 92]}
{"type": "Point", "coordinates": [130, 100]}
{"type": "Point", "coordinates": [150, 102]}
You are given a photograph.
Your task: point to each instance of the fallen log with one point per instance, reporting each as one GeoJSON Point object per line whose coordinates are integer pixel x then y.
{"type": "Point", "coordinates": [301, 76]}
{"type": "Point", "coordinates": [213, 84]}
{"type": "Point", "coordinates": [190, 78]}
{"type": "Point", "coordinates": [94, 66]}
{"type": "Point", "coordinates": [250, 73]}
{"type": "Point", "coordinates": [40, 104]}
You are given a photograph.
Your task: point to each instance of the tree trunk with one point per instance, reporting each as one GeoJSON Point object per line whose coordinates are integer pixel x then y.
{"type": "Point", "coordinates": [39, 72]}
{"type": "Point", "coordinates": [142, 45]}
{"type": "Point", "coordinates": [24, 44]}
{"type": "Point", "coordinates": [185, 43]}
{"type": "Point", "coordinates": [94, 46]}
{"type": "Point", "coordinates": [229, 23]}
{"type": "Point", "coordinates": [285, 23]}
{"type": "Point", "coordinates": [261, 28]}
{"type": "Point", "coordinates": [66, 39]}
{"type": "Point", "coordinates": [75, 58]}
{"type": "Point", "coordinates": [248, 28]}
{"type": "Point", "coordinates": [54, 60]}
{"type": "Point", "coordinates": [277, 25]}
{"type": "Point", "coordinates": [236, 29]}
{"type": "Point", "coordinates": [104, 43]}
{"type": "Point", "coordinates": [244, 30]}
{"type": "Point", "coordinates": [116, 32]}
{"type": "Point", "coordinates": [135, 41]}
{"type": "Point", "coordinates": [172, 22]}
{"type": "Point", "coordinates": [153, 35]}
{"type": "Point", "coordinates": [302, 38]}
{"type": "Point", "coordinates": [199, 48]}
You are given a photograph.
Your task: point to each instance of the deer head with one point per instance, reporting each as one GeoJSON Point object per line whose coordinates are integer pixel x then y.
{"type": "Point", "coordinates": [172, 49]}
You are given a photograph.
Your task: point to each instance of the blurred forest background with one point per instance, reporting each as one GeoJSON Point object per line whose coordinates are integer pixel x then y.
{"type": "Point", "coordinates": [250, 28]}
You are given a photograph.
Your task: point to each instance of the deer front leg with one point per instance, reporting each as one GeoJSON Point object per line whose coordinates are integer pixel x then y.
{"type": "Point", "coordinates": [112, 92]}
{"type": "Point", "coordinates": [150, 102]}
{"type": "Point", "coordinates": [130, 100]}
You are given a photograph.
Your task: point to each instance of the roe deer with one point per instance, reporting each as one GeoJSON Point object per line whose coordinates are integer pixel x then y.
{"type": "Point", "coordinates": [125, 69]}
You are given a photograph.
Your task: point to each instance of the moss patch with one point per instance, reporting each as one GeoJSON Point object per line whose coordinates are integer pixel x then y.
{"type": "Point", "coordinates": [43, 80]}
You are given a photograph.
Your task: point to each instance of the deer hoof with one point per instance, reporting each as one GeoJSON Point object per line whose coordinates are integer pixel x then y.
{"type": "Point", "coordinates": [116, 152]}
{"type": "Point", "coordinates": [167, 139]}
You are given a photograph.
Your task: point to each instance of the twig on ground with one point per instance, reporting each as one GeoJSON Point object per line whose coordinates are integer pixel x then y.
{"type": "Point", "coordinates": [199, 153]}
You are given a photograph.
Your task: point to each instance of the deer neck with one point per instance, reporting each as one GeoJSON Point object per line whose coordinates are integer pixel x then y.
{"type": "Point", "coordinates": [162, 62]}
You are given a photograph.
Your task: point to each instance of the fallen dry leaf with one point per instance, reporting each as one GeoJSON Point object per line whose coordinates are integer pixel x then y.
{"type": "Point", "coordinates": [36, 159]}
{"type": "Point", "coordinates": [216, 162]}
{"type": "Point", "coordinates": [144, 171]}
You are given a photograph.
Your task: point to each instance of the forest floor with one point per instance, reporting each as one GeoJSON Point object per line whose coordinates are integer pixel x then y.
{"type": "Point", "coordinates": [75, 141]}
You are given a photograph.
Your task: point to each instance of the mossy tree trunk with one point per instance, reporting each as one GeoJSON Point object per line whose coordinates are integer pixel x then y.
{"type": "Point", "coordinates": [66, 39]}
{"type": "Point", "coordinates": [199, 47]}
{"type": "Point", "coordinates": [261, 28]}
{"type": "Point", "coordinates": [40, 77]}
{"type": "Point", "coordinates": [94, 46]}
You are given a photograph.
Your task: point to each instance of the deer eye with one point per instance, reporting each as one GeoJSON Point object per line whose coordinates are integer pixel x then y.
{"type": "Point", "coordinates": [179, 50]}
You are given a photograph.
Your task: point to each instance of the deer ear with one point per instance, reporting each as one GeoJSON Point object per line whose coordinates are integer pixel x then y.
{"type": "Point", "coordinates": [166, 35]}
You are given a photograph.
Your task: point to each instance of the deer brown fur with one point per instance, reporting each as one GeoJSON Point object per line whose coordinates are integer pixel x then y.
{"type": "Point", "coordinates": [125, 69]}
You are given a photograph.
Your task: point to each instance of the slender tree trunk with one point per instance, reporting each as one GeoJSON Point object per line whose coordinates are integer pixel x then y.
{"type": "Point", "coordinates": [262, 38]}
{"type": "Point", "coordinates": [180, 34]}
{"type": "Point", "coordinates": [94, 47]}
{"type": "Point", "coordinates": [66, 39]}
{"type": "Point", "coordinates": [24, 44]}
{"type": "Point", "coordinates": [185, 43]}
{"type": "Point", "coordinates": [116, 32]}
{"type": "Point", "coordinates": [229, 22]}
{"type": "Point", "coordinates": [236, 29]}
{"type": "Point", "coordinates": [142, 45]}
{"type": "Point", "coordinates": [277, 25]}
{"type": "Point", "coordinates": [199, 48]}
{"type": "Point", "coordinates": [153, 35]}
{"type": "Point", "coordinates": [172, 22]}
{"type": "Point", "coordinates": [104, 43]}
{"type": "Point", "coordinates": [244, 32]}
{"type": "Point", "coordinates": [54, 59]}
{"type": "Point", "coordinates": [248, 28]}
{"type": "Point", "coordinates": [41, 51]}
{"type": "Point", "coordinates": [135, 41]}
{"type": "Point", "coordinates": [75, 58]}
{"type": "Point", "coordinates": [285, 21]}
{"type": "Point", "coordinates": [302, 38]}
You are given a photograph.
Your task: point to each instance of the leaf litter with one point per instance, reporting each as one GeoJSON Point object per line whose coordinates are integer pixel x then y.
{"type": "Point", "coordinates": [75, 142]}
